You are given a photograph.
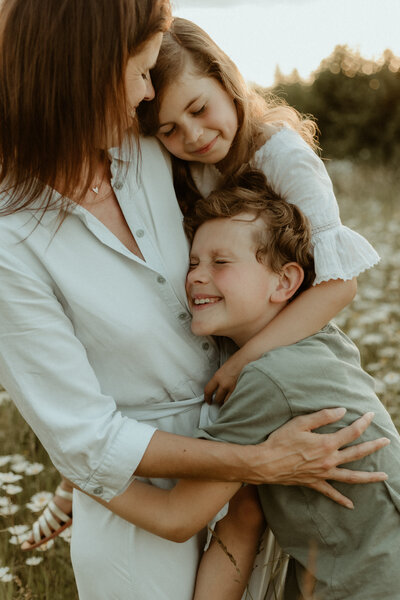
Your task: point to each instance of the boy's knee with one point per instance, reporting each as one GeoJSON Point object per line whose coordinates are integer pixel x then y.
{"type": "Point", "coordinates": [246, 510]}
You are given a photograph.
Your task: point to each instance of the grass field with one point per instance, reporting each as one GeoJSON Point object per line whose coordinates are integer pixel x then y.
{"type": "Point", "coordinates": [369, 203]}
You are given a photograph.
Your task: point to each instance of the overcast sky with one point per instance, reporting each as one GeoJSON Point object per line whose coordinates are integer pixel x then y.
{"type": "Point", "coordinates": [260, 34]}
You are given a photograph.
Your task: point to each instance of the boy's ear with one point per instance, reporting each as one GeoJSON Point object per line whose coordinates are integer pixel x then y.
{"type": "Point", "coordinates": [290, 279]}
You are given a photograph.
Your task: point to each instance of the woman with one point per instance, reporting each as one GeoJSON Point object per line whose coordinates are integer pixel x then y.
{"type": "Point", "coordinates": [95, 341]}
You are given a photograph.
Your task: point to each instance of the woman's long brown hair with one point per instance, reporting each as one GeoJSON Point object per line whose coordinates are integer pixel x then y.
{"type": "Point", "coordinates": [61, 86]}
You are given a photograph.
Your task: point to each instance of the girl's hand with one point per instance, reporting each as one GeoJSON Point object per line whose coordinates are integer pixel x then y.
{"type": "Point", "coordinates": [303, 317]}
{"type": "Point", "coordinates": [222, 384]}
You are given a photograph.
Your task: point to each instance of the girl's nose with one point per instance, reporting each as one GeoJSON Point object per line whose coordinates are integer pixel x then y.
{"type": "Point", "coordinates": [192, 133]}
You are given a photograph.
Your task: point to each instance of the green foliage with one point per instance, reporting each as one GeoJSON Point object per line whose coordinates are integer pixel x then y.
{"type": "Point", "coordinates": [356, 103]}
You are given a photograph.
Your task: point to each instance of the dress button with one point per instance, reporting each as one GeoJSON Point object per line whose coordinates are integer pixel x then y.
{"type": "Point", "coordinates": [205, 346]}
{"type": "Point", "coordinates": [161, 279]}
{"type": "Point", "coordinates": [98, 491]}
{"type": "Point", "coordinates": [183, 316]}
{"type": "Point", "coordinates": [140, 233]}
{"type": "Point", "coordinates": [118, 185]}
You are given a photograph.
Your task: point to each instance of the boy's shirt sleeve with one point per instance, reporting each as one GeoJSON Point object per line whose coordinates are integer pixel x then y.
{"type": "Point", "coordinates": [257, 407]}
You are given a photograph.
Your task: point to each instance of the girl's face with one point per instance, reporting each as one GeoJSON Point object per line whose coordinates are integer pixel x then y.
{"type": "Point", "coordinates": [198, 119]}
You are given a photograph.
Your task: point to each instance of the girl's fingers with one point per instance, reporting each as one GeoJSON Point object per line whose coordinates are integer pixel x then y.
{"type": "Point", "coordinates": [221, 395]}
{"type": "Point", "coordinates": [210, 390]}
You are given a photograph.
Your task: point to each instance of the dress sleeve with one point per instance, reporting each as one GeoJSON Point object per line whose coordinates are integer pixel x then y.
{"type": "Point", "coordinates": [296, 173]}
{"type": "Point", "coordinates": [45, 369]}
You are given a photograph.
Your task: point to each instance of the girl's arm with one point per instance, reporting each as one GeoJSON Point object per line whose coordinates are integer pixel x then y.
{"type": "Point", "coordinates": [303, 317]}
{"type": "Point", "coordinates": [175, 514]}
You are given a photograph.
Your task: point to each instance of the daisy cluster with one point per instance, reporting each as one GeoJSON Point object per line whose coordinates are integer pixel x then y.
{"type": "Point", "coordinates": [13, 469]}
{"type": "Point", "coordinates": [369, 205]}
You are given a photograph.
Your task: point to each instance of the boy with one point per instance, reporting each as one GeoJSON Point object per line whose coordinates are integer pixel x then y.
{"type": "Point", "coordinates": [250, 256]}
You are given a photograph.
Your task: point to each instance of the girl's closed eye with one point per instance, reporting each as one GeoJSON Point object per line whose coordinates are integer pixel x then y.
{"type": "Point", "coordinates": [199, 112]}
{"type": "Point", "coordinates": [168, 132]}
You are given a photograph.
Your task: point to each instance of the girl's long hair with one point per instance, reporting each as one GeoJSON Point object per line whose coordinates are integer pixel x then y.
{"type": "Point", "coordinates": [62, 65]}
{"type": "Point", "coordinates": [185, 43]}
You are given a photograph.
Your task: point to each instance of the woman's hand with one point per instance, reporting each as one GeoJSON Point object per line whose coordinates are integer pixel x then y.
{"type": "Point", "coordinates": [297, 456]}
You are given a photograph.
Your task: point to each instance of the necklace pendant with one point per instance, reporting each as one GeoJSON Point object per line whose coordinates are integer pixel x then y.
{"type": "Point", "coordinates": [95, 189]}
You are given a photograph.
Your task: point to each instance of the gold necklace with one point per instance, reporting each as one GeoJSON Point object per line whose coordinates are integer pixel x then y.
{"type": "Point", "coordinates": [96, 188]}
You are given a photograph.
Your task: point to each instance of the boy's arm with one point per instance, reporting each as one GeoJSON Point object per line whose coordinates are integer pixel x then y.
{"type": "Point", "coordinates": [310, 311]}
{"type": "Point", "coordinates": [175, 514]}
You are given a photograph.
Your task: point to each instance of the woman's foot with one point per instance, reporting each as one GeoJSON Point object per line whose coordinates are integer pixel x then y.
{"type": "Point", "coordinates": [56, 517]}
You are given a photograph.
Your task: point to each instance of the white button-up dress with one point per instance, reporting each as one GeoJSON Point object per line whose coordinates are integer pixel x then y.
{"type": "Point", "coordinates": [96, 352]}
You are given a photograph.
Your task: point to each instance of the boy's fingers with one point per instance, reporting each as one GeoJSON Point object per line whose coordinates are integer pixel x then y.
{"type": "Point", "coordinates": [352, 453]}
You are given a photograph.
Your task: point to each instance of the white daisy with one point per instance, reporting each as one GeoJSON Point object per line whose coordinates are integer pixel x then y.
{"type": "Point", "coordinates": [34, 560]}
{"type": "Point", "coordinates": [34, 469]}
{"type": "Point", "coordinates": [4, 460]}
{"type": "Point", "coordinates": [9, 477]}
{"type": "Point", "coordinates": [19, 467]}
{"type": "Point", "coordinates": [5, 575]}
{"type": "Point", "coordinates": [18, 529]}
{"type": "Point", "coordinates": [392, 378]}
{"type": "Point", "coordinates": [12, 489]}
{"type": "Point", "coordinates": [8, 510]}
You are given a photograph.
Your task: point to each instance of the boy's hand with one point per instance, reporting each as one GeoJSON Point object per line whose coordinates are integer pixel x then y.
{"type": "Point", "coordinates": [311, 459]}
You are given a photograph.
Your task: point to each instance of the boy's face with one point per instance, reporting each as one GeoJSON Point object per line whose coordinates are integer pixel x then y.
{"type": "Point", "coordinates": [227, 288]}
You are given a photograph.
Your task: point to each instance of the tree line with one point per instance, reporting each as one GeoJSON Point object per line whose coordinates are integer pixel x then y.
{"type": "Point", "coordinates": [356, 103]}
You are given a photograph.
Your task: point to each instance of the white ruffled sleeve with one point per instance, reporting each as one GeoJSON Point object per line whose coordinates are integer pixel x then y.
{"type": "Point", "coordinates": [296, 173]}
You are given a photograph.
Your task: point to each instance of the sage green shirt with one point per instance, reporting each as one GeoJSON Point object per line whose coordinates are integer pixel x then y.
{"type": "Point", "coordinates": [357, 551]}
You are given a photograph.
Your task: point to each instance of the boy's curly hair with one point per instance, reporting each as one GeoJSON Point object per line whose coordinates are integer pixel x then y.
{"type": "Point", "coordinates": [285, 233]}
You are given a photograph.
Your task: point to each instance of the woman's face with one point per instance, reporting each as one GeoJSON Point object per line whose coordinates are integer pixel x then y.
{"type": "Point", "coordinates": [138, 84]}
{"type": "Point", "coordinates": [198, 119]}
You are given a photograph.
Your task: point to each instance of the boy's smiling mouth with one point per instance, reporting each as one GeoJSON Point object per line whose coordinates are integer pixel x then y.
{"type": "Point", "coordinates": [200, 300]}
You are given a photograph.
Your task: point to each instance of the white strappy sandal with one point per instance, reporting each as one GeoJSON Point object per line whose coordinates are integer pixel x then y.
{"type": "Point", "coordinates": [50, 523]}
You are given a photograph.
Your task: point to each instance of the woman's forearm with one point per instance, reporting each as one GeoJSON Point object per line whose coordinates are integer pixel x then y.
{"type": "Point", "coordinates": [175, 514]}
{"type": "Point", "coordinates": [292, 455]}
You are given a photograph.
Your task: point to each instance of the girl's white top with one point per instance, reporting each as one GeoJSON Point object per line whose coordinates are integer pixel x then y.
{"type": "Point", "coordinates": [95, 344]}
{"type": "Point", "coordinates": [298, 175]}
